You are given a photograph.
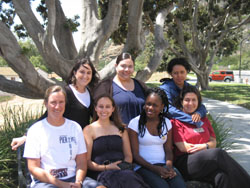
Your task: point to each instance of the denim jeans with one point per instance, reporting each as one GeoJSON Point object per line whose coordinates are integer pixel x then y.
{"type": "Point", "coordinates": [155, 181]}
{"type": "Point", "coordinates": [87, 183]}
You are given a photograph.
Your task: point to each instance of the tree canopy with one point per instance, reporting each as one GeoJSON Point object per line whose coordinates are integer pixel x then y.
{"type": "Point", "coordinates": [197, 30]}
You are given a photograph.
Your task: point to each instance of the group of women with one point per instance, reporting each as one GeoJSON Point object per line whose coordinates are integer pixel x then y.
{"type": "Point", "coordinates": [130, 125]}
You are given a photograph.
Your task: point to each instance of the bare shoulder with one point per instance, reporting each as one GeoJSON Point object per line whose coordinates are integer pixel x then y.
{"type": "Point", "coordinates": [89, 129]}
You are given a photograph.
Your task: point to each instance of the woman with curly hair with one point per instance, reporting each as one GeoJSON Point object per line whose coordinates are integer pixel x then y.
{"type": "Point", "coordinates": [151, 142]}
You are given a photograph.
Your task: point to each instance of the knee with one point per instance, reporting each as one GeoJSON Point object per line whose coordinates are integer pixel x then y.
{"type": "Point", "coordinates": [219, 155]}
{"type": "Point", "coordinates": [216, 152]}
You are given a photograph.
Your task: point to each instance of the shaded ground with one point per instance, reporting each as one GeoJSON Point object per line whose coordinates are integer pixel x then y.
{"type": "Point", "coordinates": [238, 118]}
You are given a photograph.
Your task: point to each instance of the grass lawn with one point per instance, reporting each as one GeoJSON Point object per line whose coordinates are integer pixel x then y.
{"type": "Point", "coordinates": [5, 98]}
{"type": "Point", "coordinates": [233, 93]}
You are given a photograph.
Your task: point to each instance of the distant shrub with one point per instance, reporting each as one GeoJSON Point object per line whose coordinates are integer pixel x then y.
{"type": "Point", "coordinates": [16, 121]}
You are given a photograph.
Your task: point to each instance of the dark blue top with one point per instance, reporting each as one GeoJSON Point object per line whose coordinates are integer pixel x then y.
{"type": "Point", "coordinates": [129, 103]}
{"type": "Point", "coordinates": [173, 91]}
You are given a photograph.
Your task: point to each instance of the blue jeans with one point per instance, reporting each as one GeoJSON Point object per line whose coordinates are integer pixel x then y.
{"type": "Point", "coordinates": [155, 181]}
{"type": "Point", "coordinates": [87, 183]}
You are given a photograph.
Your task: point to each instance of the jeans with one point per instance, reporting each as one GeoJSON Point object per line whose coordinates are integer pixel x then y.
{"type": "Point", "coordinates": [155, 181]}
{"type": "Point", "coordinates": [87, 183]}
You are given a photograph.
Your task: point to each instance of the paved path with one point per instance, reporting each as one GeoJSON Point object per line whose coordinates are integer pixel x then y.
{"type": "Point", "coordinates": [238, 118]}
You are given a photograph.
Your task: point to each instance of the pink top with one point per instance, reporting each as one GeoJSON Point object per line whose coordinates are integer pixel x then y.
{"type": "Point", "coordinates": [184, 132]}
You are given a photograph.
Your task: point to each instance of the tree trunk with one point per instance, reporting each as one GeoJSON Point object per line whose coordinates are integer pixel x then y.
{"type": "Point", "coordinates": [96, 32]}
{"type": "Point", "coordinates": [203, 81]}
{"type": "Point", "coordinates": [160, 46]}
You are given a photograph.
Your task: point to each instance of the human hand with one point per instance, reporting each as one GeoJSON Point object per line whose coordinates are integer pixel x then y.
{"type": "Point", "coordinates": [196, 147]}
{"type": "Point", "coordinates": [164, 172]}
{"type": "Point", "coordinates": [171, 171]}
{"type": "Point", "coordinates": [63, 184]}
{"type": "Point", "coordinates": [196, 117]}
{"type": "Point", "coordinates": [113, 166]}
{"type": "Point", "coordinates": [75, 185]}
{"type": "Point", "coordinates": [16, 142]}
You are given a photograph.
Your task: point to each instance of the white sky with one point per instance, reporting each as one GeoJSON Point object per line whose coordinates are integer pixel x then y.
{"type": "Point", "coordinates": [72, 8]}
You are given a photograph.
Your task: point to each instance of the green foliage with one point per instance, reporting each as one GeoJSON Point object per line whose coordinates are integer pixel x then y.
{"type": "Point", "coordinates": [3, 63]}
{"type": "Point", "coordinates": [20, 31]}
{"type": "Point", "coordinates": [16, 122]}
{"type": "Point", "coordinates": [30, 50]}
{"type": "Point", "coordinates": [72, 23]}
{"type": "Point", "coordinates": [222, 133]}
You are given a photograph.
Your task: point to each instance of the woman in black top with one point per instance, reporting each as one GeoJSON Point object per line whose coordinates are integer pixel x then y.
{"type": "Point", "coordinates": [82, 79]}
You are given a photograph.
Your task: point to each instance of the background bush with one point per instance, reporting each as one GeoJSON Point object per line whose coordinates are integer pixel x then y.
{"type": "Point", "coordinates": [16, 121]}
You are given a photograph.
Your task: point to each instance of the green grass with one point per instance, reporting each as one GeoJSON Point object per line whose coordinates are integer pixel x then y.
{"type": "Point", "coordinates": [233, 93]}
{"type": "Point", "coordinates": [6, 98]}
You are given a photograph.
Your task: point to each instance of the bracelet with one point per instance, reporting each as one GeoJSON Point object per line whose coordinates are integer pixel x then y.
{"type": "Point", "coordinates": [105, 168]}
{"type": "Point", "coordinates": [207, 145]}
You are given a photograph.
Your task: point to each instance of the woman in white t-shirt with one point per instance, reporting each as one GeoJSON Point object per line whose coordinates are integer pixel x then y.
{"type": "Point", "coordinates": [151, 142]}
{"type": "Point", "coordinates": [55, 148]}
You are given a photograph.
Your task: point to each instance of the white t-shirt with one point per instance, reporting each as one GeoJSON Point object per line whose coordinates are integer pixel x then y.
{"type": "Point", "coordinates": [83, 98]}
{"type": "Point", "coordinates": [56, 147]}
{"type": "Point", "coordinates": [151, 147]}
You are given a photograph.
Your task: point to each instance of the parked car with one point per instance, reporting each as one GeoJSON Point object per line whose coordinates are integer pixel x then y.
{"type": "Point", "coordinates": [222, 75]}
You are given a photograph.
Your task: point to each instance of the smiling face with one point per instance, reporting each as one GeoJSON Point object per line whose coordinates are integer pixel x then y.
{"type": "Point", "coordinates": [125, 69]}
{"type": "Point", "coordinates": [56, 105]}
{"type": "Point", "coordinates": [83, 75]}
{"type": "Point", "coordinates": [190, 103]}
{"type": "Point", "coordinates": [179, 75]}
{"type": "Point", "coordinates": [104, 108]}
{"type": "Point", "coordinates": [153, 106]}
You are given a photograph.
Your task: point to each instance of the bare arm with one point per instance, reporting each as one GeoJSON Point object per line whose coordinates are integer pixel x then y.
{"type": "Point", "coordinates": [168, 147]}
{"type": "Point", "coordinates": [16, 142]}
{"type": "Point", "coordinates": [192, 148]}
{"type": "Point", "coordinates": [81, 167]}
{"type": "Point", "coordinates": [126, 147]}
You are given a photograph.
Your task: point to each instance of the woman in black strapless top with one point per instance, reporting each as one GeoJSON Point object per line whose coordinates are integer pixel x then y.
{"type": "Point", "coordinates": [108, 148]}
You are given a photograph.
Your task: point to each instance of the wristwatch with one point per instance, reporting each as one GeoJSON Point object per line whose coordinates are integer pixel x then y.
{"type": "Point", "coordinates": [207, 145]}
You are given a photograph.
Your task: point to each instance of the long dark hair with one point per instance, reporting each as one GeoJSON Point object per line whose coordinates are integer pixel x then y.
{"type": "Point", "coordinates": [184, 91]}
{"type": "Point", "coordinates": [95, 76]}
{"type": "Point", "coordinates": [143, 117]}
{"type": "Point", "coordinates": [115, 117]}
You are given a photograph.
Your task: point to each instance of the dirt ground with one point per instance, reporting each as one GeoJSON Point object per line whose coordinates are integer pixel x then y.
{"type": "Point", "coordinates": [32, 104]}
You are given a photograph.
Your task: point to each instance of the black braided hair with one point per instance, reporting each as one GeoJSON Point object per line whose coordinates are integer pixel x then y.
{"type": "Point", "coordinates": [143, 117]}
